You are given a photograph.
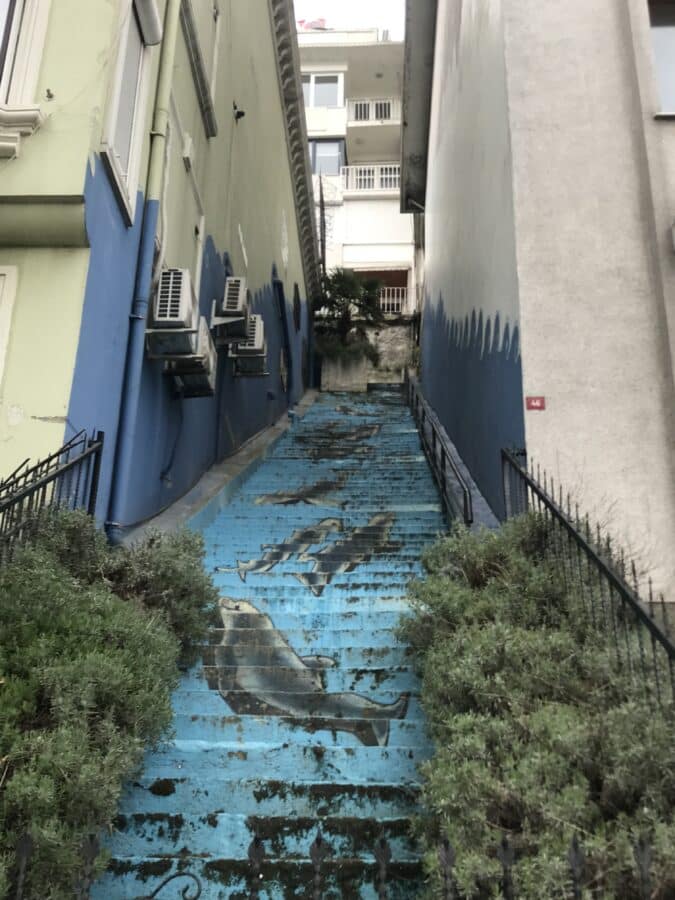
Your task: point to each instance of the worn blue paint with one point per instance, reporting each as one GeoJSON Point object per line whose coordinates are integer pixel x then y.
{"type": "Point", "coordinates": [472, 376]}
{"type": "Point", "coordinates": [164, 443]}
{"type": "Point", "coordinates": [218, 777]}
{"type": "Point", "coordinates": [99, 366]}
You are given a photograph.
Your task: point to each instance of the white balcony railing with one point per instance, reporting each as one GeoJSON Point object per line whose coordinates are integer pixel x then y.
{"type": "Point", "coordinates": [375, 177]}
{"type": "Point", "coordinates": [387, 109]}
{"type": "Point", "coordinates": [393, 300]}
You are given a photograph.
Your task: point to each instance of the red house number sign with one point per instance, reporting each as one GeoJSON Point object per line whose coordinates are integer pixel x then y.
{"type": "Point", "coordinates": [536, 403]}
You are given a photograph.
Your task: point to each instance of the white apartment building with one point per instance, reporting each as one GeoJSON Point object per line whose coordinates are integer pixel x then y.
{"type": "Point", "coordinates": [352, 85]}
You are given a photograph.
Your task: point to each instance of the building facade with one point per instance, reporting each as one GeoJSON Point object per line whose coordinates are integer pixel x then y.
{"type": "Point", "coordinates": [352, 88]}
{"type": "Point", "coordinates": [539, 139]}
{"type": "Point", "coordinates": [150, 145]}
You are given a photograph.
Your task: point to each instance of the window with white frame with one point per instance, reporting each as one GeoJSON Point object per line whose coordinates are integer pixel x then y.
{"type": "Point", "coordinates": [7, 292]}
{"type": "Point", "coordinates": [662, 16]}
{"type": "Point", "coordinates": [23, 26]}
{"type": "Point", "coordinates": [123, 131]}
{"type": "Point", "coordinates": [323, 89]}
{"type": "Point", "coordinates": [8, 17]}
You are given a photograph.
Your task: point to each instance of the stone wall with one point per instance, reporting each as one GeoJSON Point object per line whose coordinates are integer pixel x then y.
{"type": "Point", "coordinates": [394, 343]}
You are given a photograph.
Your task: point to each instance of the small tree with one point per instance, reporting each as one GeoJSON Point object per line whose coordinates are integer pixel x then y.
{"type": "Point", "coordinates": [348, 305]}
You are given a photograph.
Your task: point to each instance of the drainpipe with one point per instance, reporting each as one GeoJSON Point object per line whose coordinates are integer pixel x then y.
{"type": "Point", "coordinates": [126, 431]}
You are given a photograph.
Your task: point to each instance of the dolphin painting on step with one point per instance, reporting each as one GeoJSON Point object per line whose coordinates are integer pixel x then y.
{"type": "Point", "coordinates": [343, 443]}
{"type": "Point", "coordinates": [345, 555]}
{"type": "Point", "coordinates": [299, 542]}
{"type": "Point", "coordinates": [318, 494]}
{"type": "Point", "coordinates": [357, 547]}
{"type": "Point", "coordinates": [267, 677]}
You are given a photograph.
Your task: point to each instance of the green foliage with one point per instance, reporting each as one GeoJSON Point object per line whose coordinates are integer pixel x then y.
{"type": "Point", "coordinates": [89, 646]}
{"type": "Point", "coordinates": [348, 305]}
{"type": "Point", "coordinates": [538, 735]}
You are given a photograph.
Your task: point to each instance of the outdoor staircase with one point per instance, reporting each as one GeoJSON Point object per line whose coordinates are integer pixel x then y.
{"type": "Point", "coordinates": [304, 712]}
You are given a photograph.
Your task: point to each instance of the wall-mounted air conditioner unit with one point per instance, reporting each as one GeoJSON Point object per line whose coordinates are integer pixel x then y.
{"type": "Point", "coordinates": [229, 318]}
{"type": "Point", "coordinates": [235, 299]}
{"type": "Point", "coordinates": [174, 301]}
{"type": "Point", "coordinates": [174, 316]}
{"type": "Point", "coordinates": [197, 372]}
{"type": "Point", "coordinates": [250, 355]}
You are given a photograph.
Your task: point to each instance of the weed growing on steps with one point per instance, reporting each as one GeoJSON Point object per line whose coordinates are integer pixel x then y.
{"type": "Point", "coordinates": [89, 645]}
{"type": "Point", "coordinates": [537, 734]}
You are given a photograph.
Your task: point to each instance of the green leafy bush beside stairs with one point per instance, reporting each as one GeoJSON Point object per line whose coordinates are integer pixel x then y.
{"type": "Point", "coordinates": [89, 645]}
{"type": "Point", "coordinates": [538, 735]}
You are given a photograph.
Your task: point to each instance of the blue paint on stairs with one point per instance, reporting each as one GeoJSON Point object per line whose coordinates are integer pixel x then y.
{"type": "Point", "coordinates": [304, 708]}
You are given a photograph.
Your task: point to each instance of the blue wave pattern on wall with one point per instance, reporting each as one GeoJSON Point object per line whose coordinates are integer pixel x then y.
{"type": "Point", "coordinates": [472, 376]}
{"type": "Point", "coordinates": [304, 710]}
{"type": "Point", "coordinates": [175, 440]}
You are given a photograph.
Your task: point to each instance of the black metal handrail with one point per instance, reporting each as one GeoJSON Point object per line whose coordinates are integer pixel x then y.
{"type": "Point", "coordinates": [438, 452]}
{"type": "Point", "coordinates": [67, 478]}
{"type": "Point", "coordinates": [600, 575]}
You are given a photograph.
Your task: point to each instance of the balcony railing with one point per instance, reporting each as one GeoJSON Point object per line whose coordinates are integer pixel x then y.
{"type": "Point", "coordinates": [375, 177]}
{"type": "Point", "coordinates": [393, 300]}
{"type": "Point", "coordinates": [387, 109]}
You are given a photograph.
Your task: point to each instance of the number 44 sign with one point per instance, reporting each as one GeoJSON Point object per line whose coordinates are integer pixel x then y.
{"type": "Point", "coordinates": [535, 403]}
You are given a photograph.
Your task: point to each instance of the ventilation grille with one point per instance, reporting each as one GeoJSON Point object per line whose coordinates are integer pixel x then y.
{"type": "Point", "coordinates": [235, 296]}
{"type": "Point", "coordinates": [169, 295]}
{"type": "Point", "coordinates": [253, 335]}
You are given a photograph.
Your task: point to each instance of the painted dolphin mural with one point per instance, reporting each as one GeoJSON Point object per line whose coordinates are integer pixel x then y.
{"type": "Point", "coordinates": [267, 677]}
{"type": "Point", "coordinates": [299, 542]}
{"type": "Point", "coordinates": [339, 443]}
{"type": "Point", "coordinates": [318, 494]}
{"type": "Point", "coordinates": [358, 547]}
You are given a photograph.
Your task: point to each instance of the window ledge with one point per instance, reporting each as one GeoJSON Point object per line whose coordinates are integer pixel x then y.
{"type": "Point", "coordinates": [15, 122]}
{"type": "Point", "coordinates": [665, 116]}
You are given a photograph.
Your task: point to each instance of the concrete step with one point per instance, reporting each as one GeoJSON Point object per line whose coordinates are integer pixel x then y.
{"type": "Point", "coordinates": [226, 879]}
{"type": "Point", "coordinates": [191, 796]}
{"type": "Point", "coordinates": [202, 700]}
{"type": "Point", "coordinates": [288, 838]}
{"type": "Point", "coordinates": [362, 765]}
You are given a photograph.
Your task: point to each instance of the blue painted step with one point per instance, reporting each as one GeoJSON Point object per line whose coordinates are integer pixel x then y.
{"type": "Point", "coordinates": [304, 708]}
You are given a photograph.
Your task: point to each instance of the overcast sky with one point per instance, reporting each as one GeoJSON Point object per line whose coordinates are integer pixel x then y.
{"type": "Point", "coordinates": [355, 14]}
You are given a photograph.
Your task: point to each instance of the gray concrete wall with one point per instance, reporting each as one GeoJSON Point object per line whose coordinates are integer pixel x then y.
{"type": "Point", "coordinates": [394, 343]}
{"type": "Point", "coordinates": [470, 348]}
{"type": "Point", "coordinates": [593, 179]}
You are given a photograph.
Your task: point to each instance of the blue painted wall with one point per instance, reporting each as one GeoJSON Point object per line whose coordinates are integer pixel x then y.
{"type": "Point", "coordinates": [176, 440]}
{"type": "Point", "coordinates": [471, 370]}
{"type": "Point", "coordinates": [99, 367]}
{"type": "Point", "coordinates": [471, 375]}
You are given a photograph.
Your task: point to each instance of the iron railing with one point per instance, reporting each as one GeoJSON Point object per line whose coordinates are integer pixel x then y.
{"type": "Point", "coordinates": [384, 878]}
{"type": "Point", "coordinates": [386, 109]}
{"type": "Point", "coordinates": [393, 300]}
{"type": "Point", "coordinates": [598, 574]}
{"type": "Point", "coordinates": [371, 177]}
{"type": "Point", "coordinates": [450, 480]}
{"type": "Point", "coordinates": [66, 479]}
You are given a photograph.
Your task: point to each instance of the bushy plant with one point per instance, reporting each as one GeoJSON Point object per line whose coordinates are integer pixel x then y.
{"type": "Point", "coordinates": [538, 735]}
{"type": "Point", "coordinates": [89, 645]}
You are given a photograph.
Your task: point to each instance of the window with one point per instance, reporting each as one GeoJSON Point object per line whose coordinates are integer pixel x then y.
{"type": "Point", "coordinates": [326, 90]}
{"type": "Point", "coordinates": [662, 14]}
{"type": "Point", "coordinates": [327, 157]}
{"type": "Point", "coordinates": [323, 90]}
{"type": "Point", "coordinates": [8, 17]}
{"type": "Point", "coordinates": [121, 144]}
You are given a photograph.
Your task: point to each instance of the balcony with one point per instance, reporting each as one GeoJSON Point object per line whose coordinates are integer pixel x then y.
{"type": "Point", "coordinates": [374, 178]}
{"type": "Point", "coordinates": [393, 300]}
{"type": "Point", "coordinates": [364, 112]}
{"type": "Point", "coordinates": [373, 128]}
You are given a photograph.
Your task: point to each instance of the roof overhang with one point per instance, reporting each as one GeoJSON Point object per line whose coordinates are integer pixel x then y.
{"type": "Point", "coordinates": [420, 39]}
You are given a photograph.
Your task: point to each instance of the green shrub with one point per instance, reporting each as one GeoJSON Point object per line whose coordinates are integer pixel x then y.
{"type": "Point", "coordinates": [164, 571]}
{"type": "Point", "coordinates": [89, 646]}
{"type": "Point", "coordinates": [538, 735]}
